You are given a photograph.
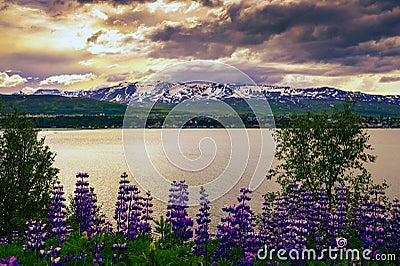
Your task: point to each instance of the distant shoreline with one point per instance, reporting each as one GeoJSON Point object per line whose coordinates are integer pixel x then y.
{"type": "Point", "coordinates": [120, 128]}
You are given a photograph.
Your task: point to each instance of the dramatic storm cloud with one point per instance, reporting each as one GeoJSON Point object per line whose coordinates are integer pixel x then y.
{"type": "Point", "coordinates": [349, 44]}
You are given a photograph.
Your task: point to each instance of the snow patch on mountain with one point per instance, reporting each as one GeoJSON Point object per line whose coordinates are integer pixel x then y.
{"type": "Point", "coordinates": [177, 92]}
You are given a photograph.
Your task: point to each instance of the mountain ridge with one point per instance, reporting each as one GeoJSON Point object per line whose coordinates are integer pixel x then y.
{"type": "Point", "coordinates": [105, 107]}
{"type": "Point", "coordinates": [282, 100]}
{"type": "Point", "coordinates": [168, 92]}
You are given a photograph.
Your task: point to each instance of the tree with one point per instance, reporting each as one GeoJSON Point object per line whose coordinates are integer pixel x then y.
{"type": "Point", "coordinates": [27, 174]}
{"type": "Point", "coordinates": [324, 150]}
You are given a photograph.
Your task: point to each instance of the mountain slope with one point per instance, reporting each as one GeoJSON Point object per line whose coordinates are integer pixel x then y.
{"type": "Point", "coordinates": [122, 93]}
{"type": "Point", "coordinates": [53, 104]}
{"type": "Point", "coordinates": [176, 92]}
{"type": "Point", "coordinates": [283, 100]}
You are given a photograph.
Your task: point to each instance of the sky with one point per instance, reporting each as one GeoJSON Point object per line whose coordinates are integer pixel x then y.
{"type": "Point", "coordinates": [84, 44]}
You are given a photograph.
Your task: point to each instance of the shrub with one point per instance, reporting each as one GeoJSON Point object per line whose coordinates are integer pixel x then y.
{"type": "Point", "coordinates": [27, 174]}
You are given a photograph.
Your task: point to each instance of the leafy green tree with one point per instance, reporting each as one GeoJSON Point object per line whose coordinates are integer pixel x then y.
{"type": "Point", "coordinates": [27, 174]}
{"type": "Point", "coordinates": [324, 150]}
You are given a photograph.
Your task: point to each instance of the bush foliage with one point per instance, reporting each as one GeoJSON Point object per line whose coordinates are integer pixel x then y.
{"type": "Point", "coordinates": [27, 174]}
{"type": "Point", "coordinates": [324, 150]}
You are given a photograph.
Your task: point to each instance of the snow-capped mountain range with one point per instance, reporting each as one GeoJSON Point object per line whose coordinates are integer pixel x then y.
{"type": "Point", "coordinates": [167, 92]}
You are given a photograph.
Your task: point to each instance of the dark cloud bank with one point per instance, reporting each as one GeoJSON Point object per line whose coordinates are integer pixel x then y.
{"type": "Point", "coordinates": [345, 32]}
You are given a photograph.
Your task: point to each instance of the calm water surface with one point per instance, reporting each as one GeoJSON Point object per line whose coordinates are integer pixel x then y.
{"type": "Point", "coordinates": [100, 154]}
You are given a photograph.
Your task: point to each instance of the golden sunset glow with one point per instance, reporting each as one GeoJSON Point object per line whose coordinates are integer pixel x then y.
{"type": "Point", "coordinates": [85, 44]}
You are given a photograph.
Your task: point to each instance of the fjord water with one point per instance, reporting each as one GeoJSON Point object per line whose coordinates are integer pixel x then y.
{"type": "Point", "coordinates": [100, 153]}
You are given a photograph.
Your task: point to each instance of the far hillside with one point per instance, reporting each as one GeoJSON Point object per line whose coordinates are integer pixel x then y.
{"type": "Point", "coordinates": [56, 105]}
{"type": "Point", "coordinates": [54, 111]}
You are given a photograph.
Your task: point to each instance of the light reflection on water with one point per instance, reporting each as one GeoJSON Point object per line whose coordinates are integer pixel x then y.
{"type": "Point", "coordinates": [100, 154]}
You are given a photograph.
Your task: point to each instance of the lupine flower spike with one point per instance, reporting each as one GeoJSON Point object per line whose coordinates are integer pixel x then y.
{"type": "Point", "coordinates": [147, 211]}
{"type": "Point", "coordinates": [56, 215]}
{"type": "Point", "coordinates": [35, 235]}
{"type": "Point", "coordinates": [122, 206]}
{"type": "Point", "coordinates": [84, 204]}
{"type": "Point", "coordinates": [202, 235]}
{"type": "Point", "coordinates": [176, 212]}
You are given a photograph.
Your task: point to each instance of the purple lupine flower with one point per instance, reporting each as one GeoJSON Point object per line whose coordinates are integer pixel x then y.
{"type": "Point", "coordinates": [97, 248]}
{"type": "Point", "coordinates": [83, 203]}
{"type": "Point", "coordinates": [117, 251]}
{"type": "Point", "coordinates": [356, 213]}
{"type": "Point", "coordinates": [147, 205]}
{"type": "Point", "coordinates": [132, 212]}
{"type": "Point", "coordinates": [339, 216]}
{"type": "Point", "coordinates": [98, 259]}
{"type": "Point", "coordinates": [35, 235]}
{"type": "Point", "coordinates": [308, 210]}
{"type": "Point", "coordinates": [177, 214]}
{"type": "Point", "coordinates": [75, 257]}
{"type": "Point", "coordinates": [202, 235]}
{"type": "Point", "coordinates": [290, 221]}
{"type": "Point", "coordinates": [54, 255]}
{"type": "Point", "coordinates": [279, 220]}
{"type": "Point", "coordinates": [243, 214]}
{"type": "Point", "coordinates": [247, 260]}
{"type": "Point", "coordinates": [56, 215]}
{"type": "Point", "coordinates": [298, 223]}
{"type": "Point", "coordinates": [322, 216]}
{"type": "Point", "coordinates": [57, 261]}
{"type": "Point", "coordinates": [374, 222]}
{"type": "Point", "coordinates": [237, 229]}
{"type": "Point", "coordinates": [11, 261]}
{"type": "Point", "coordinates": [100, 225]}
{"type": "Point", "coordinates": [245, 221]}
{"type": "Point", "coordinates": [266, 226]}
{"type": "Point", "coordinates": [94, 224]}
{"type": "Point", "coordinates": [122, 206]}
{"type": "Point", "coordinates": [134, 218]}
{"type": "Point", "coordinates": [394, 229]}
{"type": "Point", "coordinates": [227, 234]}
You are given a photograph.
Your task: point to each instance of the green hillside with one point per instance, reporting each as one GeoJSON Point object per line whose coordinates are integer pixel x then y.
{"type": "Point", "coordinates": [279, 108]}
{"type": "Point", "coordinates": [362, 108]}
{"type": "Point", "coordinates": [63, 112]}
{"type": "Point", "coordinates": [51, 105]}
